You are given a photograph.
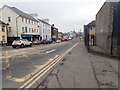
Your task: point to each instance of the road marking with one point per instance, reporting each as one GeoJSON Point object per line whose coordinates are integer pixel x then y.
{"type": "Point", "coordinates": [50, 51]}
{"type": "Point", "coordinates": [6, 57]}
{"type": "Point", "coordinates": [39, 67]}
{"type": "Point", "coordinates": [32, 80]}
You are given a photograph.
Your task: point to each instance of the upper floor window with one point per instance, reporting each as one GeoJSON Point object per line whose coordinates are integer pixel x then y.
{"type": "Point", "coordinates": [33, 22]}
{"type": "Point", "coordinates": [3, 28]}
{"type": "Point", "coordinates": [22, 19]}
{"type": "Point", "coordinates": [9, 19]}
{"type": "Point", "coordinates": [3, 38]}
{"type": "Point", "coordinates": [26, 20]}
{"type": "Point", "coordinates": [29, 21]}
{"type": "Point", "coordinates": [29, 29]}
{"type": "Point", "coordinates": [9, 29]}
{"type": "Point", "coordinates": [23, 29]}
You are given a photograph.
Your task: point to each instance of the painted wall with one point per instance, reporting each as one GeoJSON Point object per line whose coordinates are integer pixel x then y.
{"type": "Point", "coordinates": [3, 34]}
{"type": "Point", "coordinates": [45, 31]}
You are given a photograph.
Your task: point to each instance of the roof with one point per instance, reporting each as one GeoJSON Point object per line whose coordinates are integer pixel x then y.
{"type": "Point", "coordinates": [1, 22]}
{"type": "Point", "coordinates": [91, 23]}
{"type": "Point", "coordinates": [43, 21]}
{"type": "Point", "coordinates": [22, 14]}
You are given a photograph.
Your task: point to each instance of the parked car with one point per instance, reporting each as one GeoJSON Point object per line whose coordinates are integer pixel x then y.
{"type": "Point", "coordinates": [43, 42]}
{"type": "Point", "coordinates": [36, 42]}
{"type": "Point", "coordinates": [21, 43]}
{"type": "Point", "coordinates": [58, 41]}
{"type": "Point", "coordinates": [70, 38]}
{"type": "Point", "coordinates": [62, 40]}
{"type": "Point", "coordinates": [48, 41]}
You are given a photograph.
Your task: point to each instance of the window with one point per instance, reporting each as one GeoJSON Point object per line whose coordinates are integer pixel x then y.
{"type": "Point", "coordinates": [23, 29]}
{"type": "Point", "coordinates": [29, 29]}
{"type": "Point", "coordinates": [3, 28]}
{"type": "Point", "coordinates": [29, 21]}
{"type": "Point", "coordinates": [43, 30]}
{"type": "Point", "coordinates": [26, 21]}
{"type": "Point", "coordinates": [9, 19]}
{"type": "Point", "coordinates": [33, 22]}
{"type": "Point", "coordinates": [3, 38]}
{"type": "Point", "coordinates": [22, 19]}
{"type": "Point", "coordinates": [9, 29]}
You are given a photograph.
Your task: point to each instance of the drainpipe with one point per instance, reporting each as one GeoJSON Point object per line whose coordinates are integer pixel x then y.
{"type": "Point", "coordinates": [111, 44]}
{"type": "Point", "coordinates": [17, 24]}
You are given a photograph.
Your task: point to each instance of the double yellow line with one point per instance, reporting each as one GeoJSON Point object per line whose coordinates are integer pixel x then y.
{"type": "Point", "coordinates": [36, 77]}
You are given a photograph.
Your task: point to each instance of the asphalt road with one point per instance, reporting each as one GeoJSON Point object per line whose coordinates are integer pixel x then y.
{"type": "Point", "coordinates": [19, 65]}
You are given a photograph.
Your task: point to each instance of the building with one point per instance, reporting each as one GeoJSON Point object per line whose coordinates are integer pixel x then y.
{"type": "Point", "coordinates": [108, 28]}
{"type": "Point", "coordinates": [3, 33]}
{"type": "Point", "coordinates": [89, 31]}
{"type": "Point", "coordinates": [60, 35]}
{"type": "Point", "coordinates": [54, 33]}
{"type": "Point", "coordinates": [72, 34]}
{"type": "Point", "coordinates": [21, 24]}
{"type": "Point", "coordinates": [45, 30]}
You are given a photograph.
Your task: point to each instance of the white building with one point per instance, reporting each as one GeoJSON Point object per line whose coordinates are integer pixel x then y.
{"type": "Point", "coordinates": [45, 30]}
{"type": "Point", "coordinates": [21, 25]}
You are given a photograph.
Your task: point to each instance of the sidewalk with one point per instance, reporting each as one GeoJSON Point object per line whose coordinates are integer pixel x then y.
{"type": "Point", "coordinates": [97, 50]}
{"type": "Point", "coordinates": [80, 69]}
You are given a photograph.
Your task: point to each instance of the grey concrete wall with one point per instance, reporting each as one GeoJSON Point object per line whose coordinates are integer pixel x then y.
{"type": "Point", "coordinates": [104, 25]}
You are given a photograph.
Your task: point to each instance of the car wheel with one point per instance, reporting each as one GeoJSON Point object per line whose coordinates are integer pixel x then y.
{"type": "Point", "coordinates": [22, 46]}
{"type": "Point", "coordinates": [14, 46]}
{"type": "Point", "coordinates": [30, 45]}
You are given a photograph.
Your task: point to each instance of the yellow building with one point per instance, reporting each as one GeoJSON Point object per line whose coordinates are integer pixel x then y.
{"type": "Point", "coordinates": [3, 33]}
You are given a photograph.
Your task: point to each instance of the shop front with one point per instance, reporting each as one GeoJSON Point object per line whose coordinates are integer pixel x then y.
{"type": "Point", "coordinates": [31, 37]}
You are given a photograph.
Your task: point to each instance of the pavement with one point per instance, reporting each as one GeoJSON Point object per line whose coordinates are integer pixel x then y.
{"type": "Point", "coordinates": [80, 69]}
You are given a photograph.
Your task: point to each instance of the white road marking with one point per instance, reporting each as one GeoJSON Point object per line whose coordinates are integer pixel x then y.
{"type": "Point", "coordinates": [50, 51]}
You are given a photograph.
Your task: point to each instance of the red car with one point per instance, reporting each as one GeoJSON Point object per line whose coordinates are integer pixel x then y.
{"type": "Point", "coordinates": [43, 42]}
{"type": "Point", "coordinates": [62, 40]}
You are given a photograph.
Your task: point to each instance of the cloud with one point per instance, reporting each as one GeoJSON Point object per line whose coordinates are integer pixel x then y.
{"type": "Point", "coordinates": [65, 14]}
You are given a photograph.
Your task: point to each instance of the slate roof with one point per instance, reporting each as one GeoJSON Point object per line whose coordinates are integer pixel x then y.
{"type": "Point", "coordinates": [91, 23]}
{"type": "Point", "coordinates": [1, 22]}
{"type": "Point", "coordinates": [22, 14]}
{"type": "Point", "coordinates": [43, 21]}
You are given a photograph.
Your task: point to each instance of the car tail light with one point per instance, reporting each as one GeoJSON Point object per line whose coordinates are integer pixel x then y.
{"type": "Point", "coordinates": [19, 42]}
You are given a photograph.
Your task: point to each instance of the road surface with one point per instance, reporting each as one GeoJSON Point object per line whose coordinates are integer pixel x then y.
{"type": "Point", "coordinates": [21, 65]}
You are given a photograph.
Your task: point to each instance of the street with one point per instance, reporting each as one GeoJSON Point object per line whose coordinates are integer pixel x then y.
{"type": "Point", "coordinates": [20, 64]}
{"type": "Point", "coordinates": [38, 66]}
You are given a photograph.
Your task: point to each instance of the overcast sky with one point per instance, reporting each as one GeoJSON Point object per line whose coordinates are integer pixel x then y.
{"type": "Point", "coordinates": [66, 15]}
